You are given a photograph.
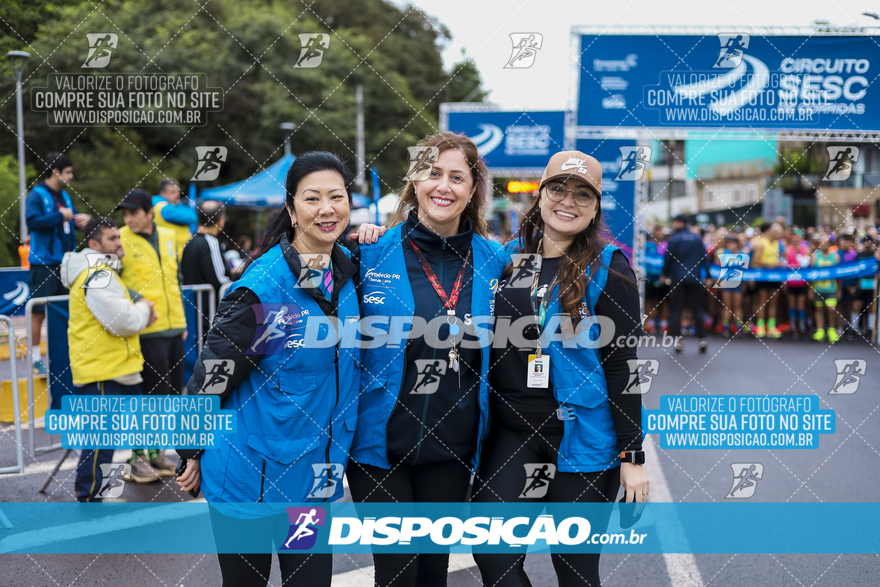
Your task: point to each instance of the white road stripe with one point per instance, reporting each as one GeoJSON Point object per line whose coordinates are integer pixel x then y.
{"type": "Point", "coordinates": [682, 568]}
{"type": "Point", "coordinates": [364, 576]}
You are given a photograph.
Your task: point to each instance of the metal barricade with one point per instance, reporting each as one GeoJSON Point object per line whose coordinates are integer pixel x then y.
{"type": "Point", "coordinates": [212, 308]}
{"type": "Point", "coordinates": [16, 404]}
{"type": "Point", "coordinates": [29, 367]}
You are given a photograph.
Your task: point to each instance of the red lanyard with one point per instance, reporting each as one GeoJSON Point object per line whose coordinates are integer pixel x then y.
{"type": "Point", "coordinates": [449, 302]}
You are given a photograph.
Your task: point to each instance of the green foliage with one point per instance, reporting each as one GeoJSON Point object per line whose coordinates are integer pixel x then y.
{"type": "Point", "coordinates": [9, 209]}
{"type": "Point", "coordinates": [248, 49]}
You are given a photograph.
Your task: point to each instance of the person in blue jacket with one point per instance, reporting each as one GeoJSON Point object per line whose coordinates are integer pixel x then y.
{"type": "Point", "coordinates": [52, 220]}
{"type": "Point", "coordinates": [566, 423]}
{"type": "Point", "coordinates": [296, 402]}
{"type": "Point", "coordinates": [424, 403]}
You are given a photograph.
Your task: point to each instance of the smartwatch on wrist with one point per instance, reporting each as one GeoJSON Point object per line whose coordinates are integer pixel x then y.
{"type": "Point", "coordinates": [636, 457]}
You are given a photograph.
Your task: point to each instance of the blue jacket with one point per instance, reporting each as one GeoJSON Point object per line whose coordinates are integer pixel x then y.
{"type": "Point", "coordinates": [296, 411]}
{"type": "Point", "coordinates": [49, 241]}
{"type": "Point", "coordinates": [179, 213]}
{"type": "Point", "coordinates": [589, 441]}
{"type": "Point", "coordinates": [383, 268]}
{"type": "Point", "coordinates": [685, 258]}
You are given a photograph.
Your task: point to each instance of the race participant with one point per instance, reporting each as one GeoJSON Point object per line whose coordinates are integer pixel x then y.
{"type": "Point", "coordinates": [296, 404]}
{"type": "Point", "coordinates": [732, 297]}
{"type": "Point", "coordinates": [571, 417]}
{"type": "Point", "coordinates": [825, 292]}
{"type": "Point", "coordinates": [797, 255]}
{"type": "Point", "coordinates": [173, 214]}
{"type": "Point", "coordinates": [767, 252]}
{"type": "Point", "coordinates": [424, 410]}
{"type": "Point", "coordinates": [863, 305]}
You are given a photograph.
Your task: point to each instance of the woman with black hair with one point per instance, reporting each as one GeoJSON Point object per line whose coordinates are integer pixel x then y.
{"type": "Point", "coordinates": [564, 428]}
{"type": "Point", "coordinates": [296, 406]}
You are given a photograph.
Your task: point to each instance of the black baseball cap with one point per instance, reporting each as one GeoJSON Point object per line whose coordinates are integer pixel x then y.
{"type": "Point", "coordinates": [136, 199]}
{"type": "Point", "coordinates": [680, 218]}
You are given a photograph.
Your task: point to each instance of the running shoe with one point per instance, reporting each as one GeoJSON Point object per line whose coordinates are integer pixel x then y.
{"type": "Point", "coordinates": [704, 346]}
{"type": "Point", "coordinates": [141, 472]}
{"type": "Point", "coordinates": [832, 335]}
{"type": "Point", "coordinates": [774, 333]}
{"type": "Point", "coordinates": [162, 465]}
{"type": "Point", "coordinates": [679, 346]}
{"type": "Point", "coordinates": [40, 368]}
{"type": "Point", "coordinates": [761, 331]}
{"type": "Point", "coordinates": [819, 335]}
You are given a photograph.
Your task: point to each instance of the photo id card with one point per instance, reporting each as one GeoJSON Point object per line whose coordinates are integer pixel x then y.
{"type": "Point", "coordinates": [539, 371]}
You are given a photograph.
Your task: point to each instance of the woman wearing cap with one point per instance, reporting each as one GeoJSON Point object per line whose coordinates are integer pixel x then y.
{"type": "Point", "coordinates": [295, 404]}
{"type": "Point", "coordinates": [559, 432]}
{"type": "Point", "coordinates": [424, 406]}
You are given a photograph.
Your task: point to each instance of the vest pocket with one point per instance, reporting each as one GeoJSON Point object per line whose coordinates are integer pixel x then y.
{"type": "Point", "coordinates": [592, 430]}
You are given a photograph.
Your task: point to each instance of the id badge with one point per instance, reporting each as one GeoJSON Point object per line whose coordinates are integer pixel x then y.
{"type": "Point", "coordinates": [66, 227]}
{"type": "Point", "coordinates": [539, 371]}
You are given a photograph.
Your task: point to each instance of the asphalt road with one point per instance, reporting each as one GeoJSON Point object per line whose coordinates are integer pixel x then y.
{"type": "Point", "coordinates": [845, 468]}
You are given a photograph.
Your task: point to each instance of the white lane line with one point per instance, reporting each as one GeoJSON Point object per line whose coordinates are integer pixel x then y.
{"type": "Point", "coordinates": [364, 576]}
{"type": "Point", "coordinates": [681, 567]}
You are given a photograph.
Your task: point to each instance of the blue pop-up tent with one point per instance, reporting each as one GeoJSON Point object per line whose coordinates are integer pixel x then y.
{"type": "Point", "coordinates": [264, 189]}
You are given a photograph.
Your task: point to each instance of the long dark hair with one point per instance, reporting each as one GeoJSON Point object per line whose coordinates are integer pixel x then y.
{"type": "Point", "coordinates": [311, 162]}
{"type": "Point", "coordinates": [585, 251]}
{"type": "Point", "coordinates": [482, 199]}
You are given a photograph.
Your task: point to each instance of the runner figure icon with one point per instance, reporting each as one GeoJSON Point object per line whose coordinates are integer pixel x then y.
{"type": "Point", "coordinates": [273, 330]}
{"type": "Point", "coordinates": [303, 531]}
{"type": "Point", "coordinates": [732, 50]}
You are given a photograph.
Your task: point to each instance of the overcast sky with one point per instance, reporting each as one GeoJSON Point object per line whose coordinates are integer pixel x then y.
{"type": "Point", "coordinates": [482, 28]}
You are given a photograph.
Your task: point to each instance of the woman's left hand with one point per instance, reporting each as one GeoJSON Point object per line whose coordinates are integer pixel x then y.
{"type": "Point", "coordinates": [635, 482]}
{"type": "Point", "coordinates": [367, 233]}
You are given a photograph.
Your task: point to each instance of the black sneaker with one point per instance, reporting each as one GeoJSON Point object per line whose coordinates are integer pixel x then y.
{"type": "Point", "coordinates": [704, 346]}
{"type": "Point", "coordinates": [679, 346]}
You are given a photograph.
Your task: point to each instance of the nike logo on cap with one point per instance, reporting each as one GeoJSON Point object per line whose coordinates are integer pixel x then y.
{"type": "Point", "coordinates": [572, 163]}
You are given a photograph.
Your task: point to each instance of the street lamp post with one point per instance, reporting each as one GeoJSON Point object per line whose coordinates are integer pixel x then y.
{"type": "Point", "coordinates": [18, 58]}
{"type": "Point", "coordinates": [287, 126]}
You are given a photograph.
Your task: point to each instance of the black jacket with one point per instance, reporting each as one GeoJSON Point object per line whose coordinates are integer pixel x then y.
{"type": "Point", "coordinates": [685, 257]}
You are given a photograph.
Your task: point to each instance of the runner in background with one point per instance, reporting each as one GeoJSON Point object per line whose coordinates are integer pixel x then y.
{"type": "Point", "coordinates": [767, 253]}
{"type": "Point", "coordinates": [865, 297]}
{"type": "Point", "coordinates": [825, 293]}
{"type": "Point", "coordinates": [169, 212]}
{"type": "Point", "coordinates": [797, 256]}
{"type": "Point", "coordinates": [656, 291]}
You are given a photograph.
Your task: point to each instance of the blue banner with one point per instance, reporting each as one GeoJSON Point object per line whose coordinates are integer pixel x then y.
{"type": "Point", "coordinates": [14, 291]}
{"type": "Point", "coordinates": [443, 527]}
{"type": "Point", "coordinates": [618, 197]}
{"type": "Point", "coordinates": [728, 80]}
{"type": "Point", "coordinates": [60, 375]}
{"type": "Point", "coordinates": [853, 269]}
{"type": "Point", "coordinates": [512, 140]}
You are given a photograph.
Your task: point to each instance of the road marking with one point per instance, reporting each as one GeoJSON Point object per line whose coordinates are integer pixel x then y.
{"type": "Point", "coordinates": [681, 567]}
{"type": "Point", "coordinates": [365, 576]}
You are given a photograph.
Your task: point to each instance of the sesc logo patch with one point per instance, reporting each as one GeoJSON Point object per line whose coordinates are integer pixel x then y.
{"type": "Point", "coordinates": [303, 527]}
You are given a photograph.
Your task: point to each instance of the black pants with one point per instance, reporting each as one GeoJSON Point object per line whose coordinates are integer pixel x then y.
{"type": "Point", "coordinates": [690, 294]}
{"type": "Point", "coordinates": [437, 482]}
{"type": "Point", "coordinates": [507, 473]}
{"type": "Point", "coordinates": [163, 365]}
{"type": "Point", "coordinates": [89, 482]}
{"type": "Point", "coordinates": [253, 569]}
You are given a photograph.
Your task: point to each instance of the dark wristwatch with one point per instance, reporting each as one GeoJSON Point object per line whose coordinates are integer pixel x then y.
{"type": "Point", "coordinates": [636, 457]}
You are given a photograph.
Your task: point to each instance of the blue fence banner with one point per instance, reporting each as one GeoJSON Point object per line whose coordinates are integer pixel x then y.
{"type": "Point", "coordinates": [852, 269]}
{"type": "Point", "coordinates": [14, 291]}
{"type": "Point", "coordinates": [197, 527]}
{"type": "Point", "coordinates": [728, 79]}
{"type": "Point", "coordinates": [60, 375]}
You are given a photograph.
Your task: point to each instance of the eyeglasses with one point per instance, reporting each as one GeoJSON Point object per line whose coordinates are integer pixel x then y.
{"type": "Point", "coordinates": [582, 197]}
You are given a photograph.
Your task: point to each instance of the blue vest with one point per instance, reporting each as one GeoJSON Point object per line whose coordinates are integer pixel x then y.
{"type": "Point", "coordinates": [589, 442]}
{"type": "Point", "coordinates": [295, 409]}
{"type": "Point", "coordinates": [44, 250]}
{"type": "Point", "coordinates": [383, 269]}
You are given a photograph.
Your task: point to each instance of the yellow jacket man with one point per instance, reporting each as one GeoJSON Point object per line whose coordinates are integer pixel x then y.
{"type": "Point", "coordinates": [105, 352]}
